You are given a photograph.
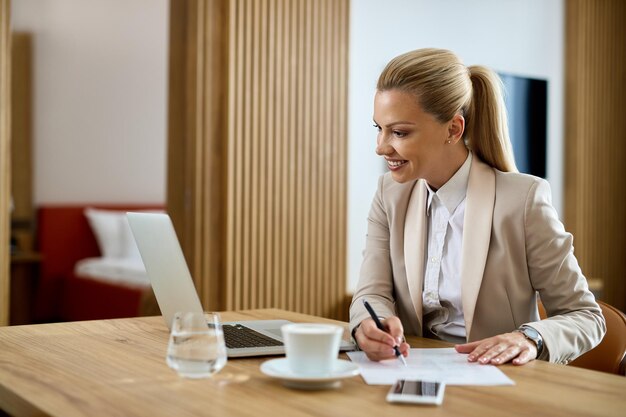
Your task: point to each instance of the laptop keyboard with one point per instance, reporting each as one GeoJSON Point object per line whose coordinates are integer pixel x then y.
{"type": "Point", "coordinates": [238, 336]}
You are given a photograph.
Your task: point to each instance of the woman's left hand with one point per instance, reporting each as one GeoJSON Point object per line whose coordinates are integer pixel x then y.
{"type": "Point", "coordinates": [500, 349]}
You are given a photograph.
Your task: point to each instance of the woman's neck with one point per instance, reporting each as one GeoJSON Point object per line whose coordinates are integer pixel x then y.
{"type": "Point", "coordinates": [449, 167]}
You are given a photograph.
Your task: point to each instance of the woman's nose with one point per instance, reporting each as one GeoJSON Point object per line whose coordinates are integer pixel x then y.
{"type": "Point", "coordinates": [383, 147]}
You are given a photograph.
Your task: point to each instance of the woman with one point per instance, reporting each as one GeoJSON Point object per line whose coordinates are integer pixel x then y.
{"type": "Point", "coordinates": [458, 242]}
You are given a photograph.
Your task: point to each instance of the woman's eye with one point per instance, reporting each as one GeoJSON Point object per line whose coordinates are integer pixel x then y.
{"type": "Point", "coordinates": [377, 127]}
{"type": "Point", "coordinates": [399, 134]}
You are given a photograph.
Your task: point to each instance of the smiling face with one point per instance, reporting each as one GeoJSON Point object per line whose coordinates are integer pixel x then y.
{"type": "Point", "coordinates": [414, 143]}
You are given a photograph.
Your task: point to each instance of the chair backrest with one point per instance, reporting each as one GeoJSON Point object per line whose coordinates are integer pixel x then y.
{"type": "Point", "coordinates": [610, 354]}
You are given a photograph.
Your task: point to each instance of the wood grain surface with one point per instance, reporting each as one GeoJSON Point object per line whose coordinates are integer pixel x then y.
{"type": "Point", "coordinates": [117, 368]}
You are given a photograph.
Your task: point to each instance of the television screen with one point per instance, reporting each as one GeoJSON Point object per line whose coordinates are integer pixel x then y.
{"type": "Point", "coordinates": [526, 101]}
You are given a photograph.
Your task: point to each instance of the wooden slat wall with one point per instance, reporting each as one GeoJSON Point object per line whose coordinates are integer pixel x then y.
{"type": "Point", "coordinates": [258, 194]}
{"type": "Point", "coordinates": [197, 140]}
{"type": "Point", "coordinates": [595, 181]}
{"type": "Point", "coordinates": [287, 155]}
{"type": "Point", "coordinates": [5, 161]}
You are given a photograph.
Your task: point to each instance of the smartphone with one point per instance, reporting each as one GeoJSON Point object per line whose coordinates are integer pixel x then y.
{"type": "Point", "coordinates": [416, 392]}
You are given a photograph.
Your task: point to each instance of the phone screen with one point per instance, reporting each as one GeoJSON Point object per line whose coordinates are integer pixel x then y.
{"type": "Point", "coordinates": [416, 388]}
{"type": "Point", "coordinates": [415, 391]}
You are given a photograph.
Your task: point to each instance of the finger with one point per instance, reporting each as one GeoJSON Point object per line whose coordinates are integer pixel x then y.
{"type": "Point", "coordinates": [524, 357]}
{"type": "Point", "coordinates": [404, 349]}
{"type": "Point", "coordinates": [364, 339]}
{"type": "Point", "coordinates": [372, 332]}
{"type": "Point", "coordinates": [394, 328]}
{"type": "Point", "coordinates": [376, 357]}
{"type": "Point", "coordinates": [479, 350]}
{"type": "Point", "coordinates": [379, 355]}
{"type": "Point", "coordinates": [467, 347]}
{"type": "Point", "coordinates": [492, 352]}
{"type": "Point", "coordinates": [374, 349]}
{"type": "Point", "coordinates": [508, 354]}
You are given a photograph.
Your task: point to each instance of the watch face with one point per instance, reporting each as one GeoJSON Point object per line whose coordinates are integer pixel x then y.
{"type": "Point", "coordinates": [533, 335]}
{"type": "Point", "coordinates": [530, 332]}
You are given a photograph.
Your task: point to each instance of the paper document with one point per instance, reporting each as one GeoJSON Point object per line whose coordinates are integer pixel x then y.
{"type": "Point", "coordinates": [431, 365]}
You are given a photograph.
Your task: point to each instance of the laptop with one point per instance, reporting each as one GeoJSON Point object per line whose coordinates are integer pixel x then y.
{"type": "Point", "coordinates": [174, 289]}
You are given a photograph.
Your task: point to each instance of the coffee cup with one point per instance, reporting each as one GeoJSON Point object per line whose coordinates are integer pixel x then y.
{"type": "Point", "coordinates": [311, 348]}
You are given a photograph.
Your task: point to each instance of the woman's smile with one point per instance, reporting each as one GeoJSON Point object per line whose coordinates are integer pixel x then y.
{"type": "Point", "coordinates": [396, 164]}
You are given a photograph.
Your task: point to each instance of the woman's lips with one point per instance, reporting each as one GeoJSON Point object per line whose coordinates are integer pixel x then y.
{"type": "Point", "coordinates": [395, 164]}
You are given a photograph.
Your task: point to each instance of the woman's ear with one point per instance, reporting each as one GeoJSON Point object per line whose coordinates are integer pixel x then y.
{"type": "Point", "coordinates": [456, 127]}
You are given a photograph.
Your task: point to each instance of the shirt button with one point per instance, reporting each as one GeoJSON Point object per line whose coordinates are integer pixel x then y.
{"type": "Point", "coordinates": [434, 259]}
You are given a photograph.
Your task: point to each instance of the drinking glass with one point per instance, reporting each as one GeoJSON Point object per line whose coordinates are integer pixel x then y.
{"type": "Point", "coordinates": [196, 348]}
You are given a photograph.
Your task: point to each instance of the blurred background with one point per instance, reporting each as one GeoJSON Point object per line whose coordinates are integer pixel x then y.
{"type": "Point", "coordinates": [250, 123]}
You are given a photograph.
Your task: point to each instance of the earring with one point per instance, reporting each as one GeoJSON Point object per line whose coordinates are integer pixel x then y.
{"type": "Point", "coordinates": [448, 142]}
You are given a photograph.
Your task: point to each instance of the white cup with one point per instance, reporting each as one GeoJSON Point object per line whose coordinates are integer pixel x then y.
{"type": "Point", "coordinates": [311, 349]}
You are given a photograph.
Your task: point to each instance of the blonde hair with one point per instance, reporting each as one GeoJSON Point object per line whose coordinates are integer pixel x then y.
{"type": "Point", "coordinates": [444, 87]}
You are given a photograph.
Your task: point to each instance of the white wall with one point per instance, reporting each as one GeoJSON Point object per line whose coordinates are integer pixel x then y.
{"type": "Point", "coordinates": [523, 37]}
{"type": "Point", "coordinates": [100, 84]}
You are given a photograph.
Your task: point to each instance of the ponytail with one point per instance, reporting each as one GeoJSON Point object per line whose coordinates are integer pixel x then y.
{"type": "Point", "coordinates": [486, 128]}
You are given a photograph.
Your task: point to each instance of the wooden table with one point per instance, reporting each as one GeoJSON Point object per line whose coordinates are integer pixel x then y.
{"type": "Point", "coordinates": [117, 368]}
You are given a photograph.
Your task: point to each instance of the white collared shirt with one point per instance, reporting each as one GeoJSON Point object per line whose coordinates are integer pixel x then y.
{"type": "Point", "coordinates": [443, 308]}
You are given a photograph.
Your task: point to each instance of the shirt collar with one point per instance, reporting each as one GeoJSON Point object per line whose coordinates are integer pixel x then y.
{"type": "Point", "coordinates": [452, 192]}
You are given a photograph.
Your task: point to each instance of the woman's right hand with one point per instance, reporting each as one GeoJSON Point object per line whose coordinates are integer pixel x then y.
{"type": "Point", "coordinates": [377, 344]}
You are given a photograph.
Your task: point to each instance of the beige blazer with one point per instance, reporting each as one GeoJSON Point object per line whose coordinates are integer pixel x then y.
{"type": "Point", "coordinates": [513, 246]}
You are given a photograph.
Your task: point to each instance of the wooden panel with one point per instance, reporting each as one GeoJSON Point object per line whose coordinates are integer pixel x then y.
{"type": "Point", "coordinates": [595, 183]}
{"type": "Point", "coordinates": [21, 127]}
{"type": "Point", "coordinates": [257, 148]}
{"type": "Point", "coordinates": [5, 161]}
{"type": "Point", "coordinates": [287, 155]}
{"type": "Point", "coordinates": [196, 187]}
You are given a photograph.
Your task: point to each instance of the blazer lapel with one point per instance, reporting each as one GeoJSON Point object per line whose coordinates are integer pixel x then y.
{"type": "Point", "coordinates": [480, 199]}
{"type": "Point", "coordinates": [414, 245]}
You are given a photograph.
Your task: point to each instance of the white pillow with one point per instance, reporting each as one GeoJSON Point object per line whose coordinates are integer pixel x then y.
{"type": "Point", "coordinates": [107, 227]}
{"type": "Point", "coordinates": [113, 233]}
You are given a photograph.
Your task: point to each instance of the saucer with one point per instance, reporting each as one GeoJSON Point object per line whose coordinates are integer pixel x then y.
{"type": "Point", "coordinates": [278, 368]}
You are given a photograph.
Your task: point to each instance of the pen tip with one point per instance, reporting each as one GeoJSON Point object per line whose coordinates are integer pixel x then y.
{"type": "Point", "coordinates": [403, 360]}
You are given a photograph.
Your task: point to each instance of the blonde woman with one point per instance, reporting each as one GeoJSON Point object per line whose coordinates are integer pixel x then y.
{"type": "Point", "coordinates": [458, 242]}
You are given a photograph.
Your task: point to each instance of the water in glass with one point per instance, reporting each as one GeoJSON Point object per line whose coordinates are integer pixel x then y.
{"type": "Point", "coordinates": [196, 348]}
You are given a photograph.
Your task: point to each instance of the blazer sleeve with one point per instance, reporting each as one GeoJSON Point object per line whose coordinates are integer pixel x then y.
{"type": "Point", "coordinates": [575, 323]}
{"type": "Point", "coordinates": [375, 278]}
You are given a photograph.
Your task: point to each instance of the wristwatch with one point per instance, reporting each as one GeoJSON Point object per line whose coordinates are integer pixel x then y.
{"type": "Point", "coordinates": [532, 335]}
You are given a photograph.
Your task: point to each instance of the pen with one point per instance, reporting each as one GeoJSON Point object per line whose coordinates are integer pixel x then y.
{"type": "Point", "coordinates": [370, 310]}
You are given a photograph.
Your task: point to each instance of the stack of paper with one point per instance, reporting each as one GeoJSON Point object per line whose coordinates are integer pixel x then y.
{"type": "Point", "coordinates": [445, 365]}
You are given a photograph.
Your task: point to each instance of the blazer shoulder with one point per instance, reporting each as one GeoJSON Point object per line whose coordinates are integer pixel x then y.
{"type": "Point", "coordinates": [515, 183]}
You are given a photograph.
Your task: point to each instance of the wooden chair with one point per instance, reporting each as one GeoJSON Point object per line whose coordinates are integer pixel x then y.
{"type": "Point", "coordinates": [610, 355]}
